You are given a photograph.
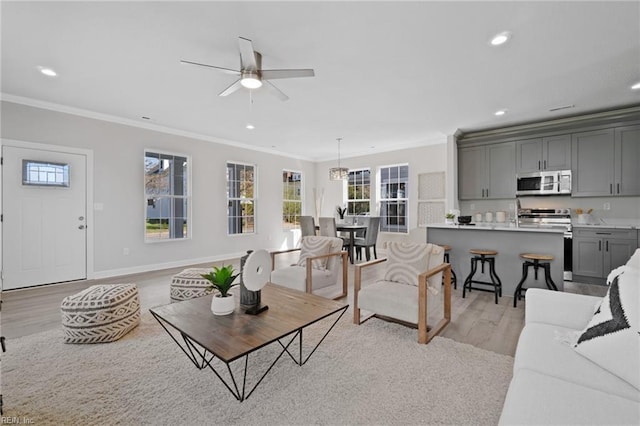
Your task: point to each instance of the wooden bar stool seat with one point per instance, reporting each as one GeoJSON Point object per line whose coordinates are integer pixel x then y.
{"type": "Point", "coordinates": [482, 256]}
{"type": "Point", "coordinates": [537, 260]}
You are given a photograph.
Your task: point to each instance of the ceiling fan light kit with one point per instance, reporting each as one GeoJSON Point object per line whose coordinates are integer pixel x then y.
{"type": "Point", "coordinates": [251, 75]}
{"type": "Point", "coordinates": [251, 80]}
{"type": "Point", "coordinates": [338, 173]}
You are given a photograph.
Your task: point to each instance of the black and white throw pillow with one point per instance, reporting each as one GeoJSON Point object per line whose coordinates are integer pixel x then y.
{"type": "Point", "coordinates": [612, 337]}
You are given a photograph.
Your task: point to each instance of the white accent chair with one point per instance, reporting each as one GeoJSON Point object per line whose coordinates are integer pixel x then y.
{"type": "Point", "coordinates": [318, 269]}
{"type": "Point", "coordinates": [414, 272]}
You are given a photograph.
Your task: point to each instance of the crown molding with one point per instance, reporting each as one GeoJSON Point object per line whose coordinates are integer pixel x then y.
{"type": "Point", "coordinates": [36, 103]}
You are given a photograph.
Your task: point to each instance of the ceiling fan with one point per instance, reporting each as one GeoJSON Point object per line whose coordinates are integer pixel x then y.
{"type": "Point", "coordinates": [251, 74]}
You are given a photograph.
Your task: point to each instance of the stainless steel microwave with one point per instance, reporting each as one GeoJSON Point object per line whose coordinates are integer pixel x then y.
{"type": "Point", "coordinates": [544, 183]}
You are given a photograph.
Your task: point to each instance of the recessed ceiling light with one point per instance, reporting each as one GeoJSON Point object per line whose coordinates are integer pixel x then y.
{"type": "Point", "coordinates": [636, 86]}
{"type": "Point", "coordinates": [500, 112]}
{"type": "Point", "coordinates": [501, 38]}
{"type": "Point", "coordinates": [48, 71]}
{"type": "Point", "coordinates": [250, 126]}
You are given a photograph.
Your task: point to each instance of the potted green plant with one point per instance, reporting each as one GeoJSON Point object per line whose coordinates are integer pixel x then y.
{"type": "Point", "coordinates": [221, 279]}
{"type": "Point", "coordinates": [448, 218]}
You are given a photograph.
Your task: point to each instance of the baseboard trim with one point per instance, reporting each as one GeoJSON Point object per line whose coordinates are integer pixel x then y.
{"type": "Point", "coordinates": [166, 265]}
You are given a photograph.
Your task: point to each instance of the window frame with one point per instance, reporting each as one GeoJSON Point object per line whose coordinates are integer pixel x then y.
{"type": "Point", "coordinates": [253, 200]}
{"type": "Point", "coordinates": [295, 225]}
{"type": "Point", "coordinates": [350, 201]}
{"type": "Point", "coordinates": [384, 225]}
{"type": "Point", "coordinates": [185, 197]}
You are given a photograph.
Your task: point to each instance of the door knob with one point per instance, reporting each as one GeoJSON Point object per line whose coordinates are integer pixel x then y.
{"type": "Point", "coordinates": [80, 226]}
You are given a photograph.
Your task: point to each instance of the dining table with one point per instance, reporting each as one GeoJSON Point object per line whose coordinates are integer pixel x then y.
{"type": "Point", "coordinates": [351, 229]}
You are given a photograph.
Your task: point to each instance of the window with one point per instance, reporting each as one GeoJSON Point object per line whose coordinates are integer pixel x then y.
{"type": "Point", "coordinates": [291, 199]}
{"type": "Point", "coordinates": [394, 186]}
{"type": "Point", "coordinates": [358, 192]}
{"type": "Point", "coordinates": [40, 173]}
{"type": "Point", "coordinates": [241, 198]}
{"type": "Point", "coordinates": [166, 192]}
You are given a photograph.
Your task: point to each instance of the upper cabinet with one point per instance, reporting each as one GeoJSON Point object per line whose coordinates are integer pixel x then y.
{"type": "Point", "coordinates": [602, 150]}
{"type": "Point", "coordinates": [541, 154]}
{"type": "Point", "coordinates": [592, 171]}
{"type": "Point", "coordinates": [487, 172]}
{"type": "Point", "coordinates": [627, 160]}
{"type": "Point", "coordinates": [605, 162]}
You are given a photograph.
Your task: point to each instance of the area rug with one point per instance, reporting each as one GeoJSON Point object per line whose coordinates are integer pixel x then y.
{"type": "Point", "coordinates": [375, 373]}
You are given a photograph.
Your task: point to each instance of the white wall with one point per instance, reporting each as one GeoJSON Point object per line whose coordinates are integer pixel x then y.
{"type": "Point", "coordinates": [118, 185]}
{"type": "Point", "coordinates": [430, 158]}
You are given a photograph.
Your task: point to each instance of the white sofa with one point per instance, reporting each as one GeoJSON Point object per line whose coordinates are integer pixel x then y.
{"type": "Point", "coordinates": [555, 384]}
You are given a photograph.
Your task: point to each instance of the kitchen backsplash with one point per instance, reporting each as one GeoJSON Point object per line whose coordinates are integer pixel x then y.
{"type": "Point", "coordinates": [620, 207]}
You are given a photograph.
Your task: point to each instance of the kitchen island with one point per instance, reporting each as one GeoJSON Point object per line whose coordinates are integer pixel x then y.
{"type": "Point", "coordinates": [509, 242]}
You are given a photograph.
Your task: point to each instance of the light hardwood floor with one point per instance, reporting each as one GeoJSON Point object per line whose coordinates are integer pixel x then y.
{"type": "Point", "coordinates": [476, 319]}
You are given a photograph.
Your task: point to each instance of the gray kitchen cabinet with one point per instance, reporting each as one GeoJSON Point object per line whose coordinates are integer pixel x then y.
{"type": "Point", "coordinates": [627, 160]}
{"type": "Point", "coordinates": [596, 252]}
{"type": "Point", "coordinates": [487, 172]}
{"type": "Point", "coordinates": [605, 162]}
{"type": "Point", "coordinates": [592, 163]}
{"type": "Point", "coordinates": [543, 154]}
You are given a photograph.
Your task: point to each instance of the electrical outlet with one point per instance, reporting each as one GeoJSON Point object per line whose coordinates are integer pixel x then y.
{"type": "Point", "coordinates": [472, 206]}
{"type": "Point", "coordinates": [125, 251]}
{"type": "Point", "coordinates": [607, 206]}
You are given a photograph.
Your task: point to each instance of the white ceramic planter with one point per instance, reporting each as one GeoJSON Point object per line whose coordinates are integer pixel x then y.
{"type": "Point", "coordinates": [223, 305]}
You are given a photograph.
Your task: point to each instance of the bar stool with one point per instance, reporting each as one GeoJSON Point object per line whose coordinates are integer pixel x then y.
{"type": "Point", "coordinates": [447, 249]}
{"type": "Point", "coordinates": [535, 260]}
{"type": "Point", "coordinates": [482, 256]}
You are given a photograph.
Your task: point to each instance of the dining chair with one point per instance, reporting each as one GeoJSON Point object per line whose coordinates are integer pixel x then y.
{"type": "Point", "coordinates": [328, 227]}
{"type": "Point", "coordinates": [370, 238]}
{"type": "Point", "coordinates": [307, 226]}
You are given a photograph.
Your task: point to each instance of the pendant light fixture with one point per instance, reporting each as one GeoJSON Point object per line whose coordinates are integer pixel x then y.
{"type": "Point", "coordinates": [338, 173]}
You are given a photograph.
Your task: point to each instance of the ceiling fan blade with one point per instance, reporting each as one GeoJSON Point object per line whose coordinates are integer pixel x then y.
{"type": "Point", "coordinates": [247, 55]}
{"type": "Point", "coordinates": [275, 74]}
{"type": "Point", "coordinates": [275, 91]}
{"type": "Point", "coordinates": [225, 70]}
{"type": "Point", "coordinates": [229, 90]}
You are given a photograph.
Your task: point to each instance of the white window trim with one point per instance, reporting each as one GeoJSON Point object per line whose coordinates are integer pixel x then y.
{"type": "Point", "coordinates": [405, 198]}
{"type": "Point", "coordinates": [301, 195]}
{"type": "Point", "coordinates": [255, 198]}
{"type": "Point", "coordinates": [346, 190]}
{"type": "Point", "coordinates": [189, 197]}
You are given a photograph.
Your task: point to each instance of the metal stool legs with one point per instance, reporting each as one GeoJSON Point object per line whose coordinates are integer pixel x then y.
{"type": "Point", "coordinates": [495, 280]}
{"type": "Point", "coordinates": [546, 266]}
{"type": "Point", "coordinates": [454, 280]}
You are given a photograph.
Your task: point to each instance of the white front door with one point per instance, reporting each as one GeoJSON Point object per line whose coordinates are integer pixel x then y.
{"type": "Point", "coordinates": [44, 199]}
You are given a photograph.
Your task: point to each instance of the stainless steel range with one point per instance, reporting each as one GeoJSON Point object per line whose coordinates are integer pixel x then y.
{"type": "Point", "coordinates": [551, 219]}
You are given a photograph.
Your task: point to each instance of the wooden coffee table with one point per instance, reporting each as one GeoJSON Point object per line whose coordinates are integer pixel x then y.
{"type": "Point", "coordinates": [203, 336]}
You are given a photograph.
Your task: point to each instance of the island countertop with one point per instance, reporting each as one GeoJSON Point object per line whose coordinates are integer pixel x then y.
{"type": "Point", "coordinates": [496, 227]}
{"type": "Point", "coordinates": [510, 243]}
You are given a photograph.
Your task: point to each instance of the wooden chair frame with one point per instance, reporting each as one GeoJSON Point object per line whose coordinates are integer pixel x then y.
{"type": "Point", "coordinates": [424, 334]}
{"type": "Point", "coordinates": [309, 260]}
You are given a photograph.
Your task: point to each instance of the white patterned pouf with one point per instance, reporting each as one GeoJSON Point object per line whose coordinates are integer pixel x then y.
{"type": "Point", "coordinates": [189, 284]}
{"type": "Point", "coordinates": [101, 313]}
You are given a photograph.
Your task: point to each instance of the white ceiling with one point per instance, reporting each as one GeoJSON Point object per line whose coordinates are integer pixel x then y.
{"type": "Point", "coordinates": [388, 74]}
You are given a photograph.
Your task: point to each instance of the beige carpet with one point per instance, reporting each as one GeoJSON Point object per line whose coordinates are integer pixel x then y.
{"type": "Point", "coordinates": [375, 373]}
